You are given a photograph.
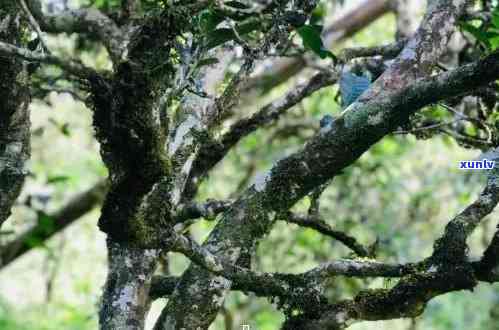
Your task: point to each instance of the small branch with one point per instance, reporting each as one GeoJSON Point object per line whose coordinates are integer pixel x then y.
{"type": "Point", "coordinates": [316, 223]}
{"type": "Point", "coordinates": [275, 109]}
{"type": "Point", "coordinates": [468, 140]}
{"type": "Point", "coordinates": [344, 267]}
{"type": "Point", "coordinates": [388, 51]}
{"type": "Point", "coordinates": [73, 210]}
{"type": "Point", "coordinates": [428, 127]}
{"type": "Point", "coordinates": [89, 21]}
{"type": "Point", "coordinates": [301, 290]}
{"type": "Point", "coordinates": [72, 66]}
{"type": "Point", "coordinates": [185, 214]}
{"type": "Point", "coordinates": [211, 153]}
{"type": "Point", "coordinates": [230, 95]}
{"type": "Point", "coordinates": [354, 20]}
{"type": "Point", "coordinates": [34, 24]}
{"type": "Point", "coordinates": [451, 247]}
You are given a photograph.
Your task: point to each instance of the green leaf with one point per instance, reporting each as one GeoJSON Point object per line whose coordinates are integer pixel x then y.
{"type": "Point", "coordinates": [46, 223]}
{"type": "Point", "coordinates": [65, 129]}
{"type": "Point", "coordinates": [57, 178]}
{"type": "Point", "coordinates": [34, 241]}
{"type": "Point", "coordinates": [318, 14]}
{"type": "Point", "coordinates": [495, 19]}
{"type": "Point", "coordinates": [494, 43]}
{"type": "Point", "coordinates": [207, 61]}
{"type": "Point", "coordinates": [311, 38]}
{"type": "Point", "coordinates": [480, 35]}
{"type": "Point", "coordinates": [222, 35]}
{"type": "Point", "coordinates": [209, 20]}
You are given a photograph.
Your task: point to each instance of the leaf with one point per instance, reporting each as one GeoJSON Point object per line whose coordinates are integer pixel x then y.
{"type": "Point", "coordinates": [494, 42]}
{"type": "Point", "coordinates": [495, 19]}
{"type": "Point", "coordinates": [58, 178]}
{"type": "Point", "coordinates": [222, 35]}
{"type": "Point", "coordinates": [46, 223]}
{"type": "Point", "coordinates": [480, 35]}
{"type": "Point", "coordinates": [318, 27]}
{"type": "Point", "coordinates": [65, 129]}
{"type": "Point", "coordinates": [219, 36]}
{"type": "Point", "coordinates": [209, 20]}
{"type": "Point", "coordinates": [311, 38]}
{"type": "Point", "coordinates": [207, 61]}
{"type": "Point", "coordinates": [33, 241]}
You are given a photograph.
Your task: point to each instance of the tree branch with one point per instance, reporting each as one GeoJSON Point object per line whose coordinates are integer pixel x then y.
{"type": "Point", "coordinates": [71, 66]}
{"type": "Point", "coordinates": [34, 24]}
{"type": "Point", "coordinates": [322, 227]}
{"type": "Point", "coordinates": [214, 151]}
{"type": "Point", "coordinates": [387, 51]}
{"type": "Point", "coordinates": [14, 114]}
{"type": "Point", "coordinates": [89, 21]}
{"type": "Point", "coordinates": [451, 247]}
{"type": "Point", "coordinates": [297, 290]}
{"type": "Point", "coordinates": [345, 26]}
{"type": "Point", "coordinates": [194, 210]}
{"type": "Point", "coordinates": [125, 300]}
{"type": "Point", "coordinates": [73, 210]}
{"type": "Point", "coordinates": [386, 105]}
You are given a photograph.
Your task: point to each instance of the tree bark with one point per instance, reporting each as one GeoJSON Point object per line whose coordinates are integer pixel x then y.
{"type": "Point", "coordinates": [125, 300]}
{"type": "Point", "coordinates": [14, 112]}
{"type": "Point", "coordinates": [199, 295]}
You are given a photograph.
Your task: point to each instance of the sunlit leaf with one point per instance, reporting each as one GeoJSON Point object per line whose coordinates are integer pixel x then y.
{"type": "Point", "coordinates": [311, 38]}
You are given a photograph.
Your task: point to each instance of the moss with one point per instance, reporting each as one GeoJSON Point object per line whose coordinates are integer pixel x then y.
{"type": "Point", "coordinates": [451, 248]}
{"type": "Point", "coordinates": [132, 148]}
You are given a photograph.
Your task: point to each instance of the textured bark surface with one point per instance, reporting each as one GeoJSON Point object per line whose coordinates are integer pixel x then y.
{"type": "Point", "coordinates": [14, 113]}
{"type": "Point", "coordinates": [199, 295]}
{"type": "Point", "coordinates": [126, 294]}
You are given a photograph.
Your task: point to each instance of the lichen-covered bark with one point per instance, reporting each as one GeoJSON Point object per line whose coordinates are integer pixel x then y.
{"type": "Point", "coordinates": [128, 118]}
{"type": "Point", "coordinates": [127, 109]}
{"type": "Point", "coordinates": [90, 21]}
{"type": "Point", "coordinates": [446, 270]}
{"type": "Point", "coordinates": [14, 113]}
{"type": "Point", "coordinates": [199, 295]}
{"type": "Point", "coordinates": [126, 294]}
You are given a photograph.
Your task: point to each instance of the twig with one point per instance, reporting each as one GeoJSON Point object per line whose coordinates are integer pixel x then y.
{"type": "Point", "coordinates": [316, 223]}
{"type": "Point", "coordinates": [428, 127]}
{"type": "Point", "coordinates": [389, 51]}
{"type": "Point", "coordinates": [34, 24]}
{"type": "Point", "coordinates": [72, 66]}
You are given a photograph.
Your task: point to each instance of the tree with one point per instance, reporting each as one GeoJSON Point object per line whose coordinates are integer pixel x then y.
{"type": "Point", "coordinates": [159, 116]}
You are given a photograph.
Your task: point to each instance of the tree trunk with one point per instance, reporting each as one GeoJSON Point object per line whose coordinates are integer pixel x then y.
{"type": "Point", "coordinates": [125, 300]}
{"type": "Point", "coordinates": [14, 113]}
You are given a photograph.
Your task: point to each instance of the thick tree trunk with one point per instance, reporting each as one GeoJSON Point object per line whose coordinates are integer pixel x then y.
{"type": "Point", "coordinates": [125, 300]}
{"type": "Point", "coordinates": [14, 113]}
